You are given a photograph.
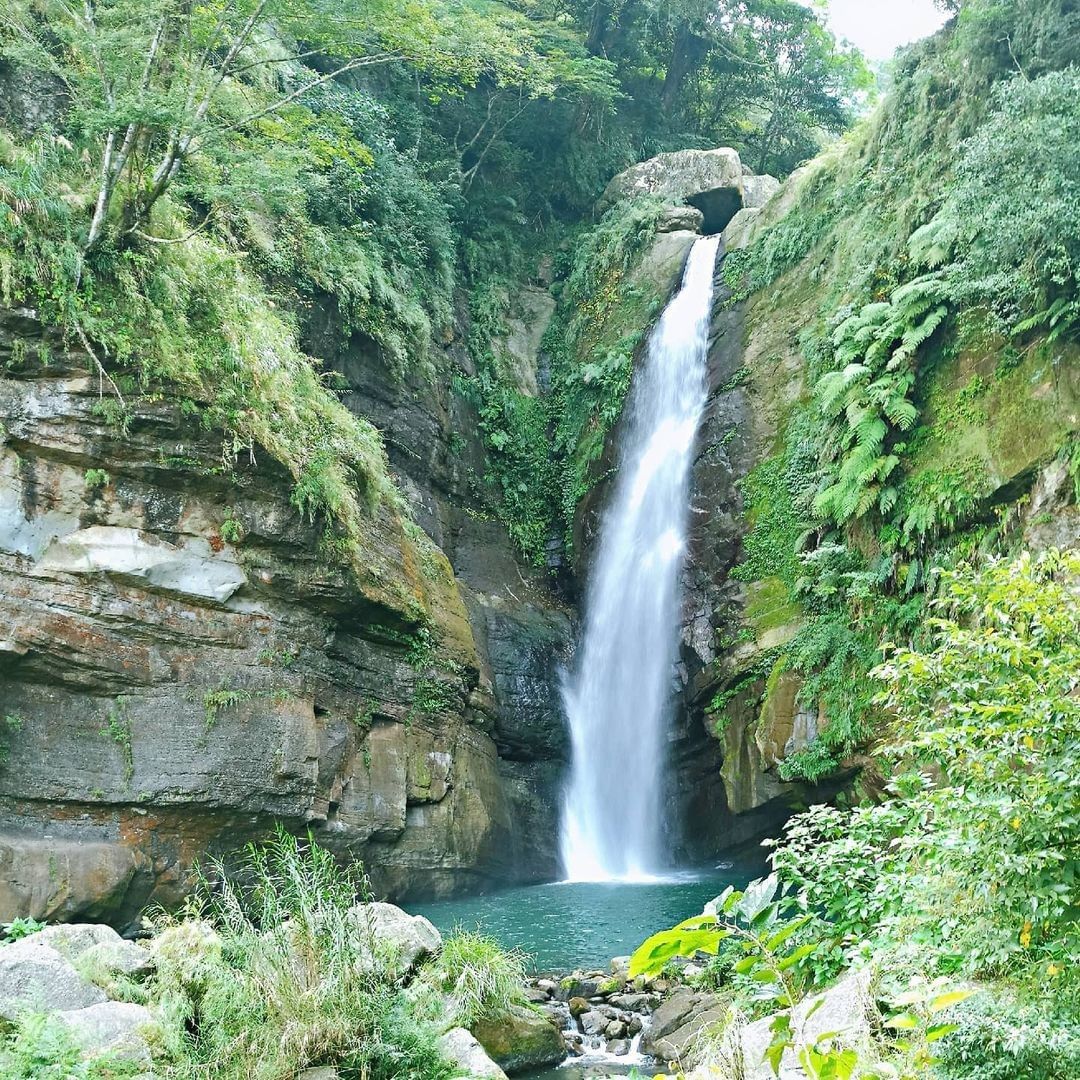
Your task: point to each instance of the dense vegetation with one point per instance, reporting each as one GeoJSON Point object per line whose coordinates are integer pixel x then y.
{"type": "Point", "coordinates": [933, 258]}
{"type": "Point", "coordinates": [958, 889]}
{"type": "Point", "coordinates": [272, 968]}
{"type": "Point", "coordinates": [169, 173]}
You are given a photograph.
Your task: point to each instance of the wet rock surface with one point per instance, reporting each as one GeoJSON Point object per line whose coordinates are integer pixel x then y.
{"type": "Point", "coordinates": [175, 691]}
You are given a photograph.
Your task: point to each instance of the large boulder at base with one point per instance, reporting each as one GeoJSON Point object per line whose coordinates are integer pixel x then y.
{"type": "Point", "coordinates": [678, 176]}
{"type": "Point", "coordinates": [680, 1022]}
{"type": "Point", "coordinates": [113, 1027]}
{"type": "Point", "coordinates": [462, 1048]}
{"type": "Point", "coordinates": [521, 1040]}
{"type": "Point", "coordinates": [34, 977]}
{"type": "Point", "coordinates": [97, 948]}
{"type": "Point", "coordinates": [412, 937]}
{"type": "Point", "coordinates": [844, 1008]}
{"type": "Point", "coordinates": [73, 939]}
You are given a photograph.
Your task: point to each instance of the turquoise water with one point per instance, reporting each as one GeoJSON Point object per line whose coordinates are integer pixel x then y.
{"type": "Point", "coordinates": [565, 926]}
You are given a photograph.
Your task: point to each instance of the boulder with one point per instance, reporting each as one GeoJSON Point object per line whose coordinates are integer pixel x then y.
{"type": "Point", "coordinates": [844, 1008]}
{"type": "Point", "coordinates": [677, 176]}
{"type": "Point", "coordinates": [681, 218]}
{"type": "Point", "coordinates": [113, 1027]}
{"type": "Point", "coordinates": [412, 937]}
{"type": "Point", "coordinates": [593, 1022]}
{"type": "Point", "coordinates": [116, 958]}
{"type": "Point", "coordinates": [758, 190]}
{"type": "Point", "coordinates": [59, 878]}
{"type": "Point", "coordinates": [461, 1047]}
{"type": "Point", "coordinates": [321, 1072]}
{"type": "Point", "coordinates": [74, 939]}
{"type": "Point", "coordinates": [35, 977]}
{"type": "Point", "coordinates": [521, 1040]}
{"type": "Point", "coordinates": [680, 1021]}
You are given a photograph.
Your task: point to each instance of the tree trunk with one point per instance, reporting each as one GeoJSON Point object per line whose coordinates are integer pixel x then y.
{"type": "Point", "coordinates": [599, 21]}
{"type": "Point", "coordinates": [688, 52]}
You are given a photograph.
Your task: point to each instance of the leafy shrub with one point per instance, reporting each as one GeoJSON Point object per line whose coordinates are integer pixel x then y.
{"type": "Point", "coordinates": [272, 972]}
{"type": "Point", "coordinates": [41, 1048]}
{"type": "Point", "coordinates": [1013, 216]}
{"type": "Point", "coordinates": [988, 710]}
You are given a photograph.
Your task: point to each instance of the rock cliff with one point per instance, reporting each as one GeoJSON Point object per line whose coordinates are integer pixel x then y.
{"type": "Point", "coordinates": [182, 663]}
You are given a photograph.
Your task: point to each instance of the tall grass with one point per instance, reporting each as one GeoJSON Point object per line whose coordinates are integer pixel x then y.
{"type": "Point", "coordinates": [271, 973]}
{"type": "Point", "coordinates": [479, 978]}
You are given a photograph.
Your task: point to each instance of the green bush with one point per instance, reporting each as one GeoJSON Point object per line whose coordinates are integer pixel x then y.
{"type": "Point", "coordinates": [483, 980]}
{"type": "Point", "coordinates": [41, 1048]}
{"type": "Point", "coordinates": [271, 972]}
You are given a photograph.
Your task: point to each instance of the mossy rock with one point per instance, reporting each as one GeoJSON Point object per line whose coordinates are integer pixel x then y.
{"type": "Point", "coordinates": [521, 1040]}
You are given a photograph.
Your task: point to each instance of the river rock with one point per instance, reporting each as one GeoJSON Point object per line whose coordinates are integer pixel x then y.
{"type": "Point", "coordinates": [35, 977]}
{"type": "Point", "coordinates": [636, 1003]}
{"type": "Point", "coordinates": [680, 1021]}
{"type": "Point", "coordinates": [412, 937]}
{"type": "Point", "coordinates": [462, 1048]}
{"type": "Point", "coordinates": [616, 1029]}
{"type": "Point", "coordinates": [521, 1040]}
{"type": "Point", "coordinates": [618, 1047]}
{"type": "Point", "coordinates": [578, 1005]}
{"type": "Point", "coordinates": [577, 986]}
{"type": "Point", "coordinates": [844, 1008]}
{"type": "Point", "coordinates": [114, 1027]}
{"type": "Point", "coordinates": [593, 1023]}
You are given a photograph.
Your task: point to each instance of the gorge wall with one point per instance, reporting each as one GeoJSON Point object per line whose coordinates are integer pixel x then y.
{"type": "Point", "coordinates": [171, 687]}
{"type": "Point", "coordinates": [186, 659]}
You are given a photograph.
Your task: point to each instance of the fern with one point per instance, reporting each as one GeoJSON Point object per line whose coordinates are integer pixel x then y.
{"type": "Point", "coordinates": [865, 401]}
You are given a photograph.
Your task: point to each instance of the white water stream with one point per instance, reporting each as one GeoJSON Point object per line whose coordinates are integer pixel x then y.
{"type": "Point", "coordinates": [618, 699]}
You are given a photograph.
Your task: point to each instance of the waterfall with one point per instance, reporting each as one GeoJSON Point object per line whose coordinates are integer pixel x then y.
{"type": "Point", "coordinates": [617, 701]}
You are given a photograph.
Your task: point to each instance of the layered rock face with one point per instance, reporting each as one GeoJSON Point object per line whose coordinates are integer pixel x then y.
{"type": "Point", "coordinates": [181, 665]}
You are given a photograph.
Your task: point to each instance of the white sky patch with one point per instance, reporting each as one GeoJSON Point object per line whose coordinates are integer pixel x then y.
{"type": "Point", "coordinates": [880, 27]}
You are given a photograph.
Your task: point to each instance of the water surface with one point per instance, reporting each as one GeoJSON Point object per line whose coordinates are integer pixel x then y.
{"type": "Point", "coordinates": [571, 925]}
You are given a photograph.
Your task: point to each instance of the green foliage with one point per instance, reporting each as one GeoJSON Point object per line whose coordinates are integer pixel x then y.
{"type": "Point", "coordinates": [96, 478]}
{"type": "Point", "coordinates": [1007, 1036]}
{"type": "Point", "coordinates": [864, 399]}
{"type": "Point", "coordinates": [231, 530]}
{"type": "Point", "coordinates": [1020, 166]}
{"type": "Point", "coordinates": [602, 320]}
{"type": "Point", "coordinates": [217, 701]}
{"type": "Point", "coordinates": [20, 928]}
{"type": "Point", "coordinates": [118, 728]}
{"type": "Point", "coordinates": [772, 961]}
{"type": "Point", "coordinates": [483, 981]}
{"type": "Point", "coordinates": [42, 1048]}
{"type": "Point", "coordinates": [987, 710]}
{"type": "Point", "coordinates": [274, 972]}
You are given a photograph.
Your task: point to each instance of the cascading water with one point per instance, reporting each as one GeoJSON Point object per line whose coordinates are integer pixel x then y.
{"type": "Point", "coordinates": [617, 700]}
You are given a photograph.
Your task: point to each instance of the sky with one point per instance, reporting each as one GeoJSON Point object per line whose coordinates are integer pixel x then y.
{"type": "Point", "coordinates": [879, 27]}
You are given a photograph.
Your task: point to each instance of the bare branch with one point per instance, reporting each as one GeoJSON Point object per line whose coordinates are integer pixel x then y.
{"type": "Point", "coordinates": [103, 375]}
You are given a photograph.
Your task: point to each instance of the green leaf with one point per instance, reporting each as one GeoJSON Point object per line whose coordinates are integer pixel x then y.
{"type": "Point", "coordinates": [758, 896]}
{"type": "Point", "coordinates": [939, 1031]}
{"type": "Point", "coordinates": [953, 997]}
{"type": "Point", "coordinates": [902, 1022]}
